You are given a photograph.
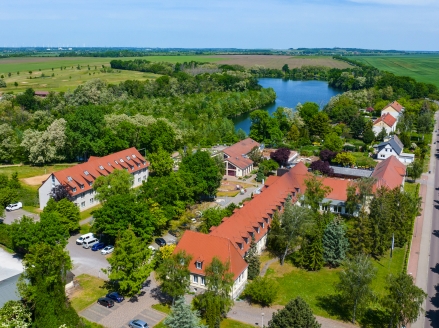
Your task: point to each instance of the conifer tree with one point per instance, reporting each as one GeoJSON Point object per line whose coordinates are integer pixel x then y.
{"type": "Point", "coordinates": [252, 259]}
{"type": "Point", "coordinates": [311, 257]}
{"type": "Point", "coordinates": [296, 314]}
{"type": "Point", "coordinates": [182, 316]}
{"type": "Point", "coordinates": [335, 243]}
{"type": "Point", "coordinates": [360, 235]}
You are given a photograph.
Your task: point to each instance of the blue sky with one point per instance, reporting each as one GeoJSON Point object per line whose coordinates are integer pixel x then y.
{"type": "Point", "coordinates": [279, 24]}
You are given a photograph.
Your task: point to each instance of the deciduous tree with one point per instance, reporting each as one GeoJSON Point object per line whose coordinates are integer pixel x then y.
{"type": "Point", "coordinates": [14, 314]}
{"type": "Point", "coordinates": [118, 182]}
{"type": "Point", "coordinates": [252, 259]}
{"type": "Point", "coordinates": [333, 142]}
{"type": "Point", "coordinates": [281, 156]}
{"type": "Point", "coordinates": [161, 162]}
{"type": "Point", "coordinates": [315, 192]}
{"type": "Point", "coordinates": [345, 159]}
{"type": "Point", "coordinates": [262, 290]}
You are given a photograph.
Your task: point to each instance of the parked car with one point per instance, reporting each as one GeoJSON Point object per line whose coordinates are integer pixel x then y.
{"type": "Point", "coordinates": [90, 243]}
{"type": "Point", "coordinates": [175, 233]}
{"type": "Point", "coordinates": [97, 247]}
{"type": "Point", "coordinates": [138, 324]}
{"type": "Point", "coordinates": [13, 207]}
{"type": "Point", "coordinates": [160, 241]}
{"type": "Point", "coordinates": [105, 301]}
{"type": "Point", "coordinates": [115, 296]}
{"type": "Point", "coordinates": [107, 250]}
{"type": "Point", "coordinates": [83, 238]}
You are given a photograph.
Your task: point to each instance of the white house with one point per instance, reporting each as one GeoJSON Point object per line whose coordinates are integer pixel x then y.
{"type": "Point", "coordinates": [393, 147]}
{"type": "Point", "coordinates": [79, 179]}
{"type": "Point", "coordinates": [394, 108]}
{"type": "Point", "coordinates": [236, 159]}
{"type": "Point", "coordinates": [386, 122]}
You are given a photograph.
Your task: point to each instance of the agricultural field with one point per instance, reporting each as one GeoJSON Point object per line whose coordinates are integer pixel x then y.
{"type": "Point", "coordinates": [423, 68]}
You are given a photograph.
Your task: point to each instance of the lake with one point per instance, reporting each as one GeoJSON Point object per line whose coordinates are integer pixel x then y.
{"type": "Point", "coordinates": [289, 94]}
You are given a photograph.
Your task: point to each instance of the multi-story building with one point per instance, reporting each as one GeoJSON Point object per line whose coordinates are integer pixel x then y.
{"type": "Point", "coordinates": [236, 160]}
{"type": "Point", "coordinates": [79, 179]}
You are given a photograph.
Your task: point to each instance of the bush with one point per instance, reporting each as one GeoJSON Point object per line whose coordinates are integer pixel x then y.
{"type": "Point", "coordinates": [5, 235]}
{"type": "Point", "coordinates": [261, 290]}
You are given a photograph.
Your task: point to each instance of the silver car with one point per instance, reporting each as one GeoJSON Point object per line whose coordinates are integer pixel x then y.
{"type": "Point", "coordinates": [138, 324]}
{"type": "Point", "coordinates": [107, 250]}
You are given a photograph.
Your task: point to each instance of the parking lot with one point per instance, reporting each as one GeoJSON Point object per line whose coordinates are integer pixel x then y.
{"type": "Point", "coordinates": [17, 214]}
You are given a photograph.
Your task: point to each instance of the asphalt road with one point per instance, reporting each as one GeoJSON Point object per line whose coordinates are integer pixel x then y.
{"type": "Point", "coordinates": [13, 215]}
{"type": "Point", "coordinates": [432, 306]}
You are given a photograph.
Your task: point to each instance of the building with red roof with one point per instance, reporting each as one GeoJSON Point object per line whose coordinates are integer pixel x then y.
{"type": "Point", "coordinates": [394, 108]}
{"type": "Point", "coordinates": [389, 173]}
{"type": "Point", "coordinates": [236, 159]}
{"type": "Point", "coordinates": [386, 122]}
{"type": "Point", "coordinates": [79, 179]}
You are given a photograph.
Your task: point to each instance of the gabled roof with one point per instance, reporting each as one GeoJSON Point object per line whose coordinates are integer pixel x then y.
{"type": "Point", "coordinates": [82, 175]}
{"type": "Point", "coordinates": [237, 151]}
{"type": "Point", "coordinates": [388, 119]}
{"type": "Point", "coordinates": [204, 248]}
{"type": "Point", "coordinates": [394, 142]}
{"type": "Point", "coordinates": [339, 188]}
{"type": "Point", "coordinates": [395, 105]}
{"type": "Point", "coordinates": [389, 173]}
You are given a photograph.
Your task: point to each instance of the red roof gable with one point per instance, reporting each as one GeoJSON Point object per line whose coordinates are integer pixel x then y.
{"type": "Point", "coordinates": [204, 248]}
{"type": "Point", "coordinates": [396, 106]}
{"type": "Point", "coordinates": [339, 188]}
{"type": "Point", "coordinates": [389, 173]}
{"type": "Point", "coordinates": [235, 153]}
{"type": "Point", "coordinates": [388, 119]}
{"type": "Point", "coordinates": [83, 175]}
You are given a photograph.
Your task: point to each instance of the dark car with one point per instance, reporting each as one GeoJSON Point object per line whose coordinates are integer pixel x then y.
{"type": "Point", "coordinates": [175, 233]}
{"type": "Point", "coordinates": [115, 296]}
{"type": "Point", "coordinates": [105, 301]}
{"type": "Point", "coordinates": [97, 247]}
{"type": "Point", "coordinates": [160, 241]}
{"type": "Point", "coordinates": [138, 324]}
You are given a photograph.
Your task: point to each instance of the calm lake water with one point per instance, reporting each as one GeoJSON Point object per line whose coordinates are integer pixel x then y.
{"type": "Point", "coordinates": [289, 94]}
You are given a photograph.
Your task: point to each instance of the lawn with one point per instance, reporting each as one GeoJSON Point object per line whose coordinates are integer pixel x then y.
{"type": "Point", "coordinates": [410, 187]}
{"type": "Point", "coordinates": [227, 193]}
{"type": "Point", "coordinates": [362, 160]}
{"type": "Point", "coordinates": [91, 289]}
{"type": "Point", "coordinates": [423, 68]}
{"type": "Point", "coordinates": [316, 288]}
{"type": "Point", "coordinates": [87, 213]}
{"type": "Point", "coordinates": [27, 171]}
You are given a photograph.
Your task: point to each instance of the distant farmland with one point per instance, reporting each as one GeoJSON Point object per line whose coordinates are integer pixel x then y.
{"type": "Point", "coordinates": [423, 68]}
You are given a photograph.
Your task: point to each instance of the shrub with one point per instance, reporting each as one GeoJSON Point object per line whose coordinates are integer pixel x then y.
{"type": "Point", "coordinates": [262, 290]}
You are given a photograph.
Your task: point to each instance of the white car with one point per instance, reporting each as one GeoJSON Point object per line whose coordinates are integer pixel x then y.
{"type": "Point", "coordinates": [107, 250]}
{"type": "Point", "coordinates": [13, 207]}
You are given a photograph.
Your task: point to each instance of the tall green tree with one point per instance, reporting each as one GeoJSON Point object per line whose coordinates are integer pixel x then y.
{"type": "Point", "coordinates": [264, 127]}
{"type": "Point", "coordinates": [174, 274]}
{"type": "Point", "coordinates": [253, 261]}
{"type": "Point", "coordinates": [311, 252]}
{"type": "Point", "coordinates": [130, 264]}
{"type": "Point", "coordinates": [67, 211]}
{"type": "Point", "coordinates": [315, 192]}
{"type": "Point", "coordinates": [415, 169]}
{"type": "Point", "coordinates": [296, 314]}
{"type": "Point", "coordinates": [335, 243]}
{"type": "Point", "coordinates": [360, 238]}
{"type": "Point", "coordinates": [403, 301]}
{"type": "Point", "coordinates": [161, 162]}
{"type": "Point", "coordinates": [355, 283]}
{"type": "Point", "coordinates": [182, 316]}
{"type": "Point", "coordinates": [333, 142]}
{"type": "Point", "coordinates": [42, 286]}
{"type": "Point", "coordinates": [307, 111]}
{"type": "Point", "coordinates": [118, 182]}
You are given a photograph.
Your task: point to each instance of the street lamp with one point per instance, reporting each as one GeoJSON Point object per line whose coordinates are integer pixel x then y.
{"type": "Point", "coordinates": [262, 319]}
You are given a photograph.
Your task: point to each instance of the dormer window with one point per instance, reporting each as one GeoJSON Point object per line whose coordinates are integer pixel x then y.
{"type": "Point", "coordinates": [101, 167]}
{"type": "Point", "coordinates": [86, 173]}
{"type": "Point", "coordinates": [116, 162]}
{"type": "Point", "coordinates": [144, 163]}
{"type": "Point", "coordinates": [266, 220]}
{"type": "Point", "coordinates": [199, 265]}
{"type": "Point", "coordinates": [74, 189]}
{"type": "Point", "coordinates": [240, 245]}
{"type": "Point", "coordinates": [121, 160]}
{"type": "Point", "coordinates": [134, 156]}
{"type": "Point", "coordinates": [294, 194]}
{"type": "Point", "coordinates": [82, 186]}
{"type": "Point", "coordinates": [128, 158]}
{"type": "Point", "coordinates": [261, 224]}
{"type": "Point", "coordinates": [246, 240]}
{"type": "Point", "coordinates": [256, 229]}
{"type": "Point", "coordinates": [138, 164]}
{"type": "Point", "coordinates": [109, 164]}
{"type": "Point", "coordinates": [69, 178]}
{"type": "Point", "coordinates": [90, 183]}
{"type": "Point", "coordinates": [132, 167]}
{"type": "Point", "coordinates": [251, 233]}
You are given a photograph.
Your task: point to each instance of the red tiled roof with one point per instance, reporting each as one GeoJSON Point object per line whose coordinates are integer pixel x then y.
{"type": "Point", "coordinates": [386, 118]}
{"type": "Point", "coordinates": [204, 248]}
{"type": "Point", "coordinates": [389, 173]}
{"type": "Point", "coordinates": [396, 106]}
{"type": "Point", "coordinates": [85, 173]}
{"type": "Point", "coordinates": [235, 153]}
{"type": "Point", "coordinates": [370, 109]}
{"type": "Point", "coordinates": [339, 188]}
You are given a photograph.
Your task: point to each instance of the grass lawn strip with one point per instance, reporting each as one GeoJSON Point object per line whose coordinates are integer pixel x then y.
{"type": "Point", "coordinates": [91, 288]}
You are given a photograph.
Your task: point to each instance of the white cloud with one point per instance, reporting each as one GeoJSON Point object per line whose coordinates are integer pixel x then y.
{"type": "Point", "coordinates": [398, 2]}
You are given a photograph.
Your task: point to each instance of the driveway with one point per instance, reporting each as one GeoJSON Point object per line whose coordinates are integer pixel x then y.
{"type": "Point", "coordinates": [10, 265]}
{"type": "Point", "coordinates": [122, 313]}
{"type": "Point", "coordinates": [85, 260]}
{"type": "Point", "coordinates": [11, 216]}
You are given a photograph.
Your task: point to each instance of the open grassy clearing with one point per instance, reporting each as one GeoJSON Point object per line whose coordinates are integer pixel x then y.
{"type": "Point", "coordinates": [277, 61]}
{"type": "Point", "coordinates": [91, 288]}
{"type": "Point", "coordinates": [318, 288]}
{"type": "Point", "coordinates": [27, 171]}
{"type": "Point", "coordinates": [423, 68]}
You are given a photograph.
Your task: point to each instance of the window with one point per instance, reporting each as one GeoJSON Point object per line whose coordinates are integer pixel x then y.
{"type": "Point", "coordinates": [240, 245]}
{"type": "Point", "coordinates": [116, 162]}
{"type": "Point", "coordinates": [90, 183]}
{"type": "Point", "coordinates": [92, 200]}
{"type": "Point", "coordinates": [138, 164]}
{"type": "Point", "coordinates": [251, 233]}
{"type": "Point", "coordinates": [101, 167]}
{"type": "Point", "coordinates": [266, 220]}
{"type": "Point", "coordinates": [81, 186]}
{"type": "Point", "coordinates": [134, 156]}
{"type": "Point", "coordinates": [128, 158]}
{"type": "Point", "coordinates": [325, 207]}
{"type": "Point", "coordinates": [144, 163]}
{"type": "Point", "coordinates": [199, 265]}
{"type": "Point", "coordinates": [74, 189]}
{"type": "Point", "coordinates": [109, 164]}
{"type": "Point", "coordinates": [246, 240]}
{"type": "Point", "coordinates": [132, 167]}
{"type": "Point", "coordinates": [69, 178]}
{"type": "Point", "coordinates": [82, 195]}
{"type": "Point", "coordinates": [256, 229]}
{"type": "Point", "coordinates": [82, 204]}
{"type": "Point", "coordinates": [202, 281]}
{"type": "Point", "coordinates": [138, 180]}
{"type": "Point", "coordinates": [196, 279]}
{"type": "Point", "coordinates": [294, 194]}
{"type": "Point", "coordinates": [121, 160]}
{"type": "Point", "coordinates": [86, 173]}
{"type": "Point", "coordinates": [262, 224]}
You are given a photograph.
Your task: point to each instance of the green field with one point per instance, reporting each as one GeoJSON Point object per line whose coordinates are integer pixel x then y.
{"type": "Point", "coordinates": [71, 77]}
{"type": "Point", "coordinates": [423, 68]}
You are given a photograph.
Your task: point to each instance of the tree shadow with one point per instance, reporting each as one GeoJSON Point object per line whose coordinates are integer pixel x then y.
{"type": "Point", "coordinates": [159, 296]}
{"type": "Point", "coordinates": [335, 306]}
{"type": "Point", "coordinates": [435, 269]}
{"type": "Point", "coordinates": [433, 315]}
{"type": "Point", "coordinates": [374, 318]}
{"type": "Point", "coordinates": [436, 233]}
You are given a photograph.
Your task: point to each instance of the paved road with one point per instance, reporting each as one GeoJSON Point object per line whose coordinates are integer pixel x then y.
{"type": "Point", "coordinates": [11, 216]}
{"type": "Point", "coordinates": [10, 265]}
{"type": "Point", "coordinates": [432, 306]}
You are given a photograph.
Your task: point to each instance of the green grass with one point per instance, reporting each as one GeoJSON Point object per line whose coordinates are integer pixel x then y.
{"type": "Point", "coordinates": [362, 160]}
{"type": "Point", "coordinates": [423, 68]}
{"type": "Point", "coordinates": [91, 324]}
{"type": "Point", "coordinates": [27, 171]}
{"type": "Point", "coordinates": [91, 289]}
{"type": "Point", "coordinates": [410, 187]}
{"type": "Point", "coordinates": [165, 308]}
{"type": "Point", "coordinates": [87, 213]}
{"type": "Point", "coordinates": [316, 287]}
{"type": "Point", "coordinates": [71, 77]}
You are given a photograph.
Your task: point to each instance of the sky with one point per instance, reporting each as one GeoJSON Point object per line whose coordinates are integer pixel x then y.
{"type": "Point", "coordinates": [246, 24]}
